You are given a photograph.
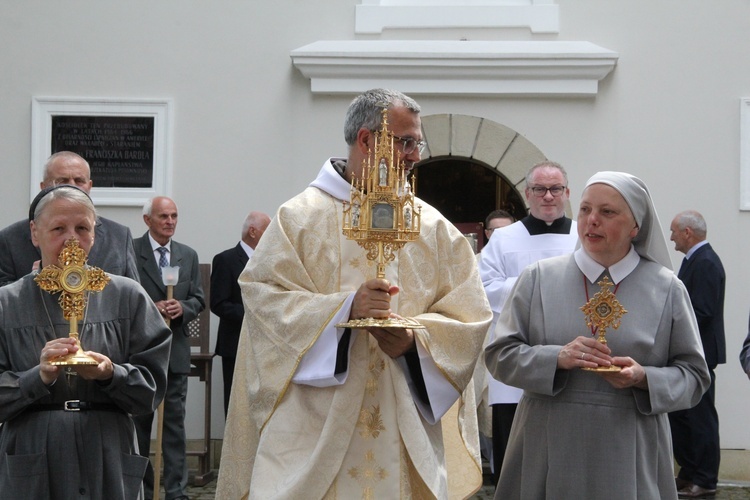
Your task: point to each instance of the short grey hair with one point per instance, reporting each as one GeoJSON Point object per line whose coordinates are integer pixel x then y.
{"type": "Point", "coordinates": [694, 220]}
{"type": "Point", "coordinates": [253, 219]}
{"type": "Point", "coordinates": [149, 205]}
{"type": "Point", "coordinates": [365, 111]}
{"type": "Point", "coordinates": [64, 192]}
{"type": "Point", "coordinates": [546, 164]}
{"type": "Point", "coordinates": [68, 155]}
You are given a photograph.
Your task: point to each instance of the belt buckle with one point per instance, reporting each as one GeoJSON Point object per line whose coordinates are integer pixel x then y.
{"type": "Point", "coordinates": [72, 405]}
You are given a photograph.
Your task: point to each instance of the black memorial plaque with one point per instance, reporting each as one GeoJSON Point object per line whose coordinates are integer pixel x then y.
{"type": "Point", "coordinates": [119, 149]}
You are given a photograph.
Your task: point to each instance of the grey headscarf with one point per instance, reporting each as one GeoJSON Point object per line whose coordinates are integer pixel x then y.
{"type": "Point", "coordinates": [649, 242]}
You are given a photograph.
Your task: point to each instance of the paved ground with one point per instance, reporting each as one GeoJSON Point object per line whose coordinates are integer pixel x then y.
{"type": "Point", "coordinates": [726, 492]}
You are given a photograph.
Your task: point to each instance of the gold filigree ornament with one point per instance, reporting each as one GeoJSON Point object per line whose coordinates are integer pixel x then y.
{"type": "Point", "coordinates": [603, 311]}
{"type": "Point", "coordinates": [381, 215]}
{"type": "Point", "coordinates": [74, 279]}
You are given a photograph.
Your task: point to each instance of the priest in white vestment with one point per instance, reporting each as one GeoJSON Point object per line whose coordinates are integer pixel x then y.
{"type": "Point", "coordinates": [546, 232]}
{"type": "Point", "coordinates": [325, 412]}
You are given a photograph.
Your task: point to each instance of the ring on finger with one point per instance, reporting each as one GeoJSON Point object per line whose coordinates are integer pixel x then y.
{"type": "Point", "coordinates": [583, 356]}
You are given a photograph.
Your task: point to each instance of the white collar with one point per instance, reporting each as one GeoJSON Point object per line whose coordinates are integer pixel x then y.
{"type": "Point", "coordinates": [155, 244]}
{"type": "Point", "coordinates": [694, 248]}
{"type": "Point", "coordinates": [331, 181]}
{"type": "Point", "coordinates": [247, 248]}
{"type": "Point", "coordinates": [618, 271]}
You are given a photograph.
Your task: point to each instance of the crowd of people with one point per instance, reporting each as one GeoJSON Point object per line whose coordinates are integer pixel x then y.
{"type": "Point", "coordinates": [522, 353]}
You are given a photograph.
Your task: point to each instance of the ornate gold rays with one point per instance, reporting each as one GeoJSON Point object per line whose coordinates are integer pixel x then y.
{"type": "Point", "coordinates": [73, 280]}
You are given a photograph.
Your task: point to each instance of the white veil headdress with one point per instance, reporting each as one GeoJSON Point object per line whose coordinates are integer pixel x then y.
{"type": "Point", "coordinates": [649, 242]}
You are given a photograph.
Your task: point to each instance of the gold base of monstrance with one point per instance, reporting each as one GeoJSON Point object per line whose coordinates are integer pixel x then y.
{"type": "Point", "coordinates": [72, 280]}
{"type": "Point", "coordinates": [610, 368]}
{"type": "Point", "coordinates": [381, 323]}
{"type": "Point", "coordinates": [381, 216]}
{"type": "Point", "coordinates": [603, 311]}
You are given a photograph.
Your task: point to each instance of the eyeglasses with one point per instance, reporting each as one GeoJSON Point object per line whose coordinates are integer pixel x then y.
{"type": "Point", "coordinates": [410, 144]}
{"type": "Point", "coordinates": [541, 191]}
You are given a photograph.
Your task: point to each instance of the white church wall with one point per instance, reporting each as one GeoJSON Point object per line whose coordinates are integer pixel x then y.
{"type": "Point", "coordinates": [248, 133]}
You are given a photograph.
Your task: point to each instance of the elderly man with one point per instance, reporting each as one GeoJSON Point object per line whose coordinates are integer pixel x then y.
{"type": "Point", "coordinates": [695, 431]}
{"type": "Point", "coordinates": [545, 232]}
{"type": "Point", "coordinates": [157, 249]}
{"type": "Point", "coordinates": [355, 412]}
{"type": "Point", "coordinates": [113, 251]}
{"type": "Point", "coordinates": [226, 296]}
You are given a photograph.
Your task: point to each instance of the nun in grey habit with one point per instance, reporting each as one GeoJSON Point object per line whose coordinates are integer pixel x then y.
{"type": "Point", "coordinates": [68, 433]}
{"type": "Point", "coordinates": [586, 434]}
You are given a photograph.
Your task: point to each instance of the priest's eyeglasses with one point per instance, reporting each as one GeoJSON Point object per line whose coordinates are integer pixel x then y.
{"type": "Point", "coordinates": [410, 144]}
{"type": "Point", "coordinates": [541, 191]}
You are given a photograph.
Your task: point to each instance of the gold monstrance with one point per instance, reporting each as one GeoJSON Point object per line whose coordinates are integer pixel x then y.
{"type": "Point", "coordinates": [73, 280]}
{"type": "Point", "coordinates": [381, 216]}
{"type": "Point", "coordinates": [603, 311]}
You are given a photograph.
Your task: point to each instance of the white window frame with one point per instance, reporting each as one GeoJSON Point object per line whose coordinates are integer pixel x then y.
{"type": "Point", "coordinates": [745, 154]}
{"type": "Point", "coordinates": [44, 108]}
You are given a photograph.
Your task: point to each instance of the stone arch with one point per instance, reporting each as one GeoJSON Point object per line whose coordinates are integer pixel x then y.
{"type": "Point", "coordinates": [508, 153]}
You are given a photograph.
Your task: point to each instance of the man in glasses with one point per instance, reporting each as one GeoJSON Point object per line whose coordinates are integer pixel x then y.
{"type": "Point", "coordinates": [336, 412]}
{"type": "Point", "coordinates": [545, 232]}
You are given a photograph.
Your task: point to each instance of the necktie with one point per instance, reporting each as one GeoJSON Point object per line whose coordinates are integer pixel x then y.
{"type": "Point", "coordinates": [163, 262]}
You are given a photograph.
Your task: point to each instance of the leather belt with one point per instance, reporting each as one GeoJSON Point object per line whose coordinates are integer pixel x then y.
{"type": "Point", "coordinates": [75, 405]}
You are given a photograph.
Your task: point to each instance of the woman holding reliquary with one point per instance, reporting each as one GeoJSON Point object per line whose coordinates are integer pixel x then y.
{"type": "Point", "coordinates": [592, 422]}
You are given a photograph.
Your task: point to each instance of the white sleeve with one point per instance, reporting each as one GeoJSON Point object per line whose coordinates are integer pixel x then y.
{"type": "Point", "coordinates": [318, 365]}
{"type": "Point", "coordinates": [440, 392]}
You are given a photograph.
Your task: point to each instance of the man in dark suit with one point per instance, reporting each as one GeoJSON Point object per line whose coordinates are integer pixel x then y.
{"type": "Point", "coordinates": [226, 298]}
{"type": "Point", "coordinates": [112, 250]}
{"type": "Point", "coordinates": [154, 250]}
{"type": "Point", "coordinates": [695, 432]}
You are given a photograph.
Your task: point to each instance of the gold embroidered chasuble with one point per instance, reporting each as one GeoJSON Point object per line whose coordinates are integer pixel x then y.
{"type": "Point", "coordinates": [287, 440]}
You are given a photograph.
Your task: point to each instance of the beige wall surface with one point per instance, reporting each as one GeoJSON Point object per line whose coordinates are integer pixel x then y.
{"type": "Point", "coordinates": [249, 134]}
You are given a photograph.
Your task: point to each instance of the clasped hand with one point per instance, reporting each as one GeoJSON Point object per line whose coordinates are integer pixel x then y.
{"type": "Point", "coordinates": [170, 309]}
{"type": "Point", "coordinates": [62, 347]}
{"type": "Point", "coordinates": [586, 352]}
{"type": "Point", "coordinates": [373, 300]}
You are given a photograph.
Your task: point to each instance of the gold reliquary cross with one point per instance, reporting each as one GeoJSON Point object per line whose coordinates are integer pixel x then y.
{"type": "Point", "coordinates": [74, 279]}
{"type": "Point", "coordinates": [603, 310]}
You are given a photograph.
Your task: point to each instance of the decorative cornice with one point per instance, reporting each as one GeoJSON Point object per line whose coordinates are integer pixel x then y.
{"type": "Point", "coordinates": [440, 67]}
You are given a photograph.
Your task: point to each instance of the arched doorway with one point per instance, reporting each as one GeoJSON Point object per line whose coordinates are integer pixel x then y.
{"type": "Point", "coordinates": [473, 166]}
{"type": "Point", "coordinates": [465, 191]}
